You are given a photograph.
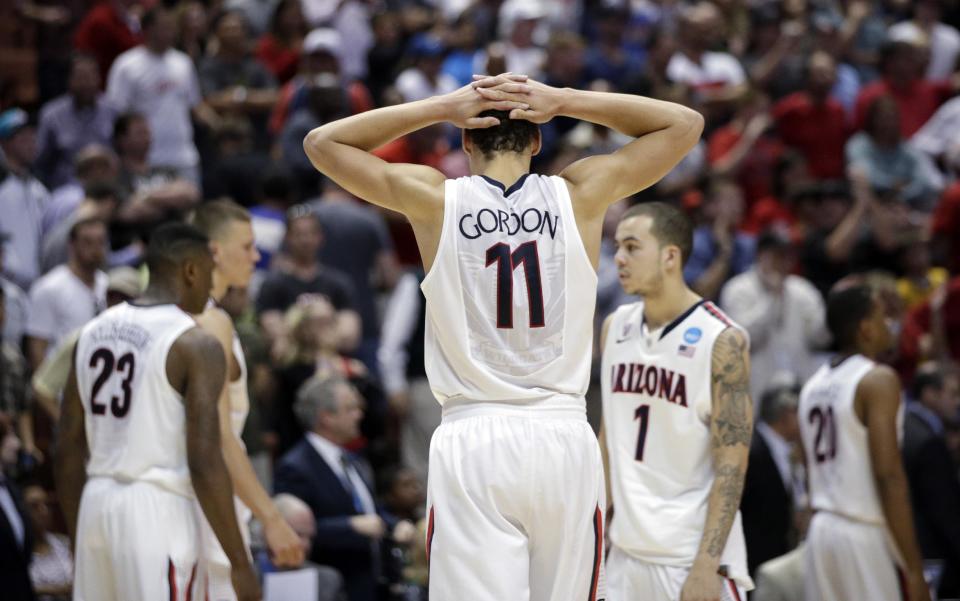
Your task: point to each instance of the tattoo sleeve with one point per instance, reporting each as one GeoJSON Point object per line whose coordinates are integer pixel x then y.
{"type": "Point", "coordinates": [731, 428]}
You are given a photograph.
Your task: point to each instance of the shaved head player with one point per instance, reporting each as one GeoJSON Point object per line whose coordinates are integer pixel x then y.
{"type": "Point", "coordinates": [515, 484]}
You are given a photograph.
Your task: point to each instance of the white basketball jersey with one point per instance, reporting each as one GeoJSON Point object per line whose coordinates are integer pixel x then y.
{"type": "Point", "coordinates": [835, 442]}
{"type": "Point", "coordinates": [657, 405]}
{"type": "Point", "coordinates": [510, 295]}
{"type": "Point", "coordinates": [135, 420]}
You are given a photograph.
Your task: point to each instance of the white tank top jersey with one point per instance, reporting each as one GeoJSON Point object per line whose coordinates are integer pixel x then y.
{"type": "Point", "coordinates": [657, 403]}
{"type": "Point", "coordinates": [135, 420]}
{"type": "Point", "coordinates": [510, 296]}
{"type": "Point", "coordinates": [237, 389]}
{"type": "Point", "coordinates": [835, 443]}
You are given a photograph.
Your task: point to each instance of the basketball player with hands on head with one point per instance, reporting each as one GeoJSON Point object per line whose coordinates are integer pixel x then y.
{"type": "Point", "coordinates": [677, 423]}
{"type": "Point", "coordinates": [861, 543]}
{"type": "Point", "coordinates": [138, 443]}
{"type": "Point", "coordinates": [228, 226]}
{"type": "Point", "coordinates": [515, 491]}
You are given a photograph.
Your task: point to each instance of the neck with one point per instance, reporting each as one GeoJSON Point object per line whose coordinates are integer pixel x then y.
{"type": "Point", "coordinates": [328, 437]}
{"type": "Point", "coordinates": [16, 167]}
{"type": "Point", "coordinates": [155, 49]}
{"type": "Point", "coordinates": [85, 274]}
{"type": "Point", "coordinates": [506, 168]}
{"type": "Point", "coordinates": [220, 286]}
{"type": "Point", "coordinates": [670, 303]}
{"type": "Point", "coordinates": [134, 163]}
{"type": "Point", "coordinates": [81, 102]}
{"type": "Point", "coordinates": [158, 293]}
{"type": "Point", "coordinates": [304, 264]}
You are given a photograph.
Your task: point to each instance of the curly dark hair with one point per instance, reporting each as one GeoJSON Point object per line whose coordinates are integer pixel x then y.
{"type": "Point", "coordinates": [512, 135]}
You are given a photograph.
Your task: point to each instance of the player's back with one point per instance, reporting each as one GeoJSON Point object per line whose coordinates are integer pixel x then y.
{"type": "Point", "coordinates": [510, 295]}
{"type": "Point", "coordinates": [836, 445]}
{"type": "Point", "coordinates": [135, 419]}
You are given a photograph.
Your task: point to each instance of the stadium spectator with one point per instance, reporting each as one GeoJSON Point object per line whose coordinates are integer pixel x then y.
{"type": "Point", "coordinates": [917, 98]}
{"type": "Point", "coordinates": [51, 569]}
{"type": "Point", "coordinates": [23, 198]}
{"type": "Point", "coordinates": [919, 278]}
{"type": "Point", "coordinates": [925, 28]}
{"type": "Point", "coordinates": [300, 275]}
{"type": "Point", "coordinates": [771, 488]}
{"type": "Point", "coordinates": [277, 193]}
{"type": "Point", "coordinates": [160, 82]}
{"type": "Point", "coordinates": [425, 77]}
{"type": "Point", "coordinates": [70, 295]}
{"type": "Point", "coordinates": [720, 251]}
{"type": "Point", "coordinates": [336, 485]}
{"type": "Point", "coordinates": [15, 400]}
{"type": "Point", "coordinates": [192, 25]}
{"type": "Point", "coordinates": [784, 314]}
{"type": "Point", "coordinates": [325, 101]}
{"type": "Point", "coordinates": [814, 122]}
{"type": "Point", "coordinates": [279, 49]}
{"type": "Point", "coordinates": [15, 304]}
{"type": "Point", "coordinates": [99, 202]}
{"type": "Point", "coordinates": [931, 331]}
{"type": "Point", "coordinates": [934, 486]}
{"type": "Point", "coordinates": [94, 165]}
{"type": "Point", "coordinates": [716, 76]}
{"type": "Point", "coordinates": [357, 243]}
{"type": "Point", "coordinates": [108, 30]}
{"type": "Point", "coordinates": [71, 122]}
{"type": "Point", "coordinates": [16, 535]}
{"type": "Point", "coordinates": [945, 229]}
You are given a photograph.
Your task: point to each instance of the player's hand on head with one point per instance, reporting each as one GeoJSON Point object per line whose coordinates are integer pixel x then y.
{"type": "Point", "coordinates": [245, 582]}
{"type": "Point", "coordinates": [543, 100]}
{"type": "Point", "coordinates": [701, 585]}
{"type": "Point", "coordinates": [463, 107]}
{"type": "Point", "coordinates": [284, 544]}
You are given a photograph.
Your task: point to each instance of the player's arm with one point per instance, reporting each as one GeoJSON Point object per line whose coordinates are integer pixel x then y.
{"type": "Point", "coordinates": [198, 367]}
{"type": "Point", "coordinates": [341, 149]}
{"type": "Point", "coordinates": [877, 403]}
{"type": "Point", "coordinates": [70, 456]}
{"type": "Point", "coordinates": [731, 427]}
{"type": "Point", "coordinates": [604, 453]}
{"type": "Point", "coordinates": [281, 539]}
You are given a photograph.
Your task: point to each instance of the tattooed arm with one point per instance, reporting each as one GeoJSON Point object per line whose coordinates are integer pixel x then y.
{"type": "Point", "coordinates": [731, 427]}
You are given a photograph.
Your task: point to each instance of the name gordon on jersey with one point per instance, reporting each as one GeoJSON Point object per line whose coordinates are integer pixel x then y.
{"type": "Point", "coordinates": [651, 380]}
{"type": "Point", "coordinates": [488, 221]}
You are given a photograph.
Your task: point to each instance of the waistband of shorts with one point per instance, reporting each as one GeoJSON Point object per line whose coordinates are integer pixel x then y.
{"type": "Point", "coordinates": [557, 407]}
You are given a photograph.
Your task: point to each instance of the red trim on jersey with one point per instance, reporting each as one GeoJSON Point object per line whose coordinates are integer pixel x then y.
{"type": "Point", "coordinates": [713, 310]}
{"type": "Point", "coordinates": [733, 590]}
{"type": "Point", "coordinates": [429, 537]}
{"type": "Point", "coordinates": [172, 580]}
{"type": "Point", "coordinates": [597, 553]}
{"type": "Point", "coordinates": [193, 575]}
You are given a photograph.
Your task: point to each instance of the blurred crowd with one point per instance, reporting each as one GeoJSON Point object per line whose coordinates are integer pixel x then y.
{"type": "Point", "coordinates": [831, 150]}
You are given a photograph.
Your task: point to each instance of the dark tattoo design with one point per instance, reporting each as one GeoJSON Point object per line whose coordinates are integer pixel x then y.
{"type": "Point", "coordinates": [729, 485]}
{"type": "Point", "coordinates": [731, 390]}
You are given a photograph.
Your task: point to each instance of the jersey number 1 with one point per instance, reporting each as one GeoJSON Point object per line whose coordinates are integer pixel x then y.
{"type": "Point", "coordinates": [119, 407]}
{"type": "Point", "coordinates": [642, 414]}
{"type": "Point", "coordinates": [526, 254]}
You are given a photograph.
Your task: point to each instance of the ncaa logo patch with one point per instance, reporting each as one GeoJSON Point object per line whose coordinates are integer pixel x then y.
{"type": "Point", "coordinates": [692, 335]}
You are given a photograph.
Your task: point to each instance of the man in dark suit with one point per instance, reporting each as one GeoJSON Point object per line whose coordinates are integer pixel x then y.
{"type": "Point", "coordinates": [934, 486]}
{"type": "Point", "coordinates": [16, 542]}
{"type": "Point", "coordinates": [767, 505]}
{"type": "Point", "coordinates": [337, 486]}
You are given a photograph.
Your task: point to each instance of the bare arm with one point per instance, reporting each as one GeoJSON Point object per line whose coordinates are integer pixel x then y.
{"type": "Point", "coordinates": [731, 426]}
{"type": "Point", "coordinates": [198, 366]}
{"type": "Point", "coordinates": [349, 330]}
{"type": "Point", "coordinates": [280, 538]}
{"type": "Point", "coordinates": [877, 403]}
{"type": "Point", "coordinates": [604, 452]}
{"type": "Point", "coordinates": [36, 351]}
{"type": "Point", "coordinates": [839, 243]}
{"type": "Point", "coordinates": [70, 455]}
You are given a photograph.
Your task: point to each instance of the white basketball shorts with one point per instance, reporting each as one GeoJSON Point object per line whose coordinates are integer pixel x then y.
{"type": "Point", "coordinates": [631, 579]}
{"type": "Point", "coordinates": [846, 559]}
{"type": "Point", "coordinates": [134, 541]}
{"type": "Point", "coordinates": [515, 503]}
{"type": "Point", "coordinates": [215, 571]}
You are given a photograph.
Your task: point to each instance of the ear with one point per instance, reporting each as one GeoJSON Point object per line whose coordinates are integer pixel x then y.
{"type": "Point", "coordinates": [466, 142]}
{"type": "Point", "coordinates": [537, 144]}
{"type": "Point", "coordinates": [670, 255]}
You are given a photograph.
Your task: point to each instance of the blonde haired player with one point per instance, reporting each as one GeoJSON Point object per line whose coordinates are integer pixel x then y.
{"type": "Point", "coordinates": [228, 226]}
{"type": "Point", "coordinates": [677, 422]}
{"type": "Point", "coordinates": [861, 542]}
{"type": "Point", "coordinates": [515, 489]}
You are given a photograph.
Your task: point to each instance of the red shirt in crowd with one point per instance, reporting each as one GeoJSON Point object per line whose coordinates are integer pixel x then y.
{"type": "Point", "coordinates": [917, 323]}
{"type": "Point", "coordinates": [105, 34]}
{"type": "Point", "coordinates": [918, 101]}
{"type": "Point", "coordinates": [755, 175]}
{"type": "Point", "coordinates": [946, 225]}
{"type": "Point", "coordinates": [819, 131]}
{"type": "Point", "coordinates": [282, 61]}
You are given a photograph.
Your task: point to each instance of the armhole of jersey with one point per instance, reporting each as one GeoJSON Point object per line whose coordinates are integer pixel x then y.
{"type": "Point", "coordinates": [566, 205]}
{"type": "Point", "coordinates": [449, 213]}
{"type": "Point", "coordinates": [164, 353]}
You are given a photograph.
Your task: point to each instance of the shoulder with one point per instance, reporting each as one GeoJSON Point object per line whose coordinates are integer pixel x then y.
{"type": "Point", "coordinates": [730, 352]}
{"type": "Point", "coordinates": [49, 283]}
{"type": "Point", "coordinates": [53, 108]}
{"type": "Point", "coordinates": [215, 321]}
{"type": "Point", "coordinates": [878, 380]}
{"type": "Point", "coordinates": [198, 345]}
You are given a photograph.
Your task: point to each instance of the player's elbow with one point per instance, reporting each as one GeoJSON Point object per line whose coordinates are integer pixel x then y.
{"type": "Point", "coordinates": [315, 144]}
{"type": "Point", "coordinates": [690, 124]}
